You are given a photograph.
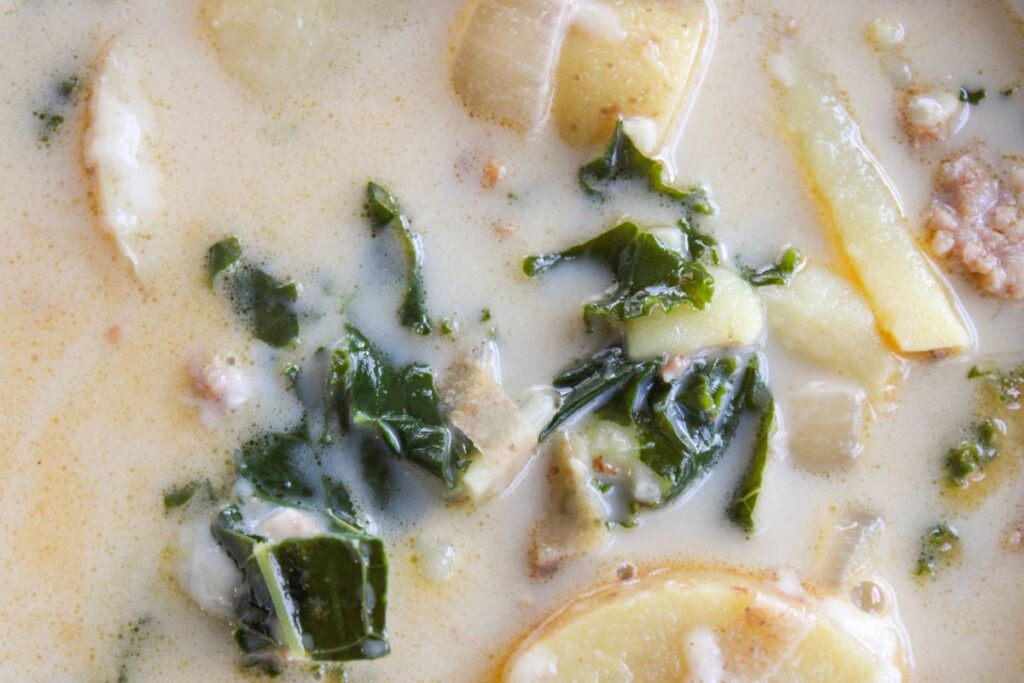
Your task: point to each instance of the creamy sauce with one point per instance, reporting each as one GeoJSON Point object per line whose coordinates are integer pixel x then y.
{"type": "Point", "coordinates": [100, 418]}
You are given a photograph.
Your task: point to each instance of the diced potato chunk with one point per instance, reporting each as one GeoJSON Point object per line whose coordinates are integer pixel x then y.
{"type": "Point", "coordinates": [634, 58]}
{"type": "Point", "coordinates": [505, 63]}
{"type": "Point", "coordinates": [912, 302]}
{"type": "Point", "coordinates": [272, 44]}
{"type": "Point", "coordinates": [734, 317]}
{"type": "Point", "coordinates": [119, 154]}
{"type": "Point", "coordinates": [822, 318]}
{"type": "Point", "coordinates": [825, 427]}
{"type": "Point", "coordinates": [686, 625]}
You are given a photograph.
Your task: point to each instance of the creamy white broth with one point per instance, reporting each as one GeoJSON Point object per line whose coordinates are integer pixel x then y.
{"type": "Point", "coordinates": [99, 417]}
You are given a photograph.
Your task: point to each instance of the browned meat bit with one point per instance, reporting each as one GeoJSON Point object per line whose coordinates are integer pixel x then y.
{"type": "Point", "coordinates": [977, 224]}
{"type": "Point", "coordinates": [493, 173]}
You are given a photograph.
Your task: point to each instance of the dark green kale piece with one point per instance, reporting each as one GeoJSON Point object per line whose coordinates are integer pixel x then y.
{"type": "Point", "coordinates": [785, 266]}
{"type": "Point", "coordinates": [384, 212]}
{"type": "Point", "coordinates": [939, 546]}
{"type": "Point", "coordinates": [648, 272]}
{"type": "Point", "coordinates": [971, 456]}
{"type": "Point", "coordinates": [401, 405]}
{"type": "Point", "coordinates": [622, 160]}
{"type": "Point", "coordinates": [265, 302]}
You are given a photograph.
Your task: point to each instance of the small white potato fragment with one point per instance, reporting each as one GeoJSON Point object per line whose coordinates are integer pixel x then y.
{"type": "Point", "coordinates": [615, 449]}
{"type": "Point", "coordinates": [734, 317]}
{"type": "Point", "coordinates": [886, 33]}
{"type": "Point", "coordinates": [505, 61]}
{"type": "Point", "coordinates": [648, 63]}
{"type": "Point", "coordinates": [205, 571]}
{"type": "Point", "coordinates": [933, 115]}
{"type": "Point", "coordinates": [825, 426]}
{"type": "Point", "coordinates": [272, 45]}
{"type": "Point", "coordinates": [118, 148]}
{"type": "Point", "coordinates": [913, 304]}
{"type": "Point", "coordinates": [435, 560]}
{"type": "Point", "coordinates": [822, 318]}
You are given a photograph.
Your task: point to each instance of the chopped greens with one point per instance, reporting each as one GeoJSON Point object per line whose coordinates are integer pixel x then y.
{"type": "Point", "coordinates": [322, 597]}
{"type": "Point", "coordinates": [940, 546]}
{"type": "Point", "coordinates": [700, 245]}
{"type": "Point", "coordinates": [50, 123]}
{"type": "Point", "coordinates": [401, 405]}
{"type": "Point", "coordinates": [971, 456]}
{"type": "Point", "coordinates": [786, 265]}
{"type": "Point", "coordinates": [267, 304]}
{"type": "Point", "coordinates": [384, 212]}
{"type": "Point", "coordinates": [622, 159]}
{"type": "Point", "coordinates": [51, 118]}
{"type": "Point", "coordinates": [972, 96]}
{"type": "Point", "coordinates": [683, 424]}
{"type": "Point", "coordinates": [283, 468]}
{"type": "Point", "coordinates": [757, 397]}
{"type": "Point", "coordinates": [181, 495]}
{"type": "Point", "coordinates": [222, 256]}
{"type": "Point", "coordinates": [648, 272]}
{"type": "Point", "coordinates": [1009, 384]}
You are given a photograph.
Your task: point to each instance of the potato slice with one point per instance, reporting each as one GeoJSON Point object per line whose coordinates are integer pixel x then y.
{"type": "Point", "coordinates": [825, 426]}
{"type": "Point", "coordinates": [119, 155]}
{"type": "Point", "coordinates": [914, 305]}
{"type": "Point", "coordinates": [505, 62]}
{"type": "Point", "coordinates": [631, 58]}
{"type": "Point", "coordinates": [273, 44]}
{"type": "Point", "coordinates": [717, 626]}
{"type": "Point", "coordinates": [734, 317]}
{"type": "Point", "coordinates": [822, 318]}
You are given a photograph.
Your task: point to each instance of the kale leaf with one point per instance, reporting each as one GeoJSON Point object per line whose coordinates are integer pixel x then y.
{"type": "Point", "coordinates": [683, 424]}
{"type": "Point", "coordinates": [971, 456]}
{"type": "Point", "coordinates": [757, 397]}
{"type": "Point", "coordinates": [322, 597]}
{"type": "Point", "coordinates": [648, 272]}
{"type": "Point", "coordinates": [285, 468]}
{"type": "Point", "coordinates": [402, 406]}
{"type": "Point", "coordinates": [267, 304]}
{"type": "Point", "coordinates": [972, 96]}
{"type": "Point", "coordinates": [786, 265]}
{"type": "Point", "coordinates": [222, 256]}
{"type": "Point", "coordinates": [941, 544]}
{"type": "Point", "coordinates": [622, 159]}
{"type": "Point", "coordinates": [1008, 385]}
{"type": "Point", "coordinates": [181, 495]}
{"type": "Point", "coordinates": [384, 212]}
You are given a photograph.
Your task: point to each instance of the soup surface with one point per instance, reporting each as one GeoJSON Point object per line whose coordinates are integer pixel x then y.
{"type": "Point", "coordinates": [273, 138]}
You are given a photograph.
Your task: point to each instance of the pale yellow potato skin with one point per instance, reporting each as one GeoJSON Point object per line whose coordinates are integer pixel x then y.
{"type": "Point", "coordinates": [821, 317]}
{"type": "Point", "coordinates": [649, 71]}
{"type": "Point", "coordinates": [640, 633]}
{"type": "Point", "coordinates": [912, 302]}
{"type": "Point", "coordinates": [734, 317]}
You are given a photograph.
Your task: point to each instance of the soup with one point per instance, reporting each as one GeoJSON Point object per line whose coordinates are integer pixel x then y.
{"type": "Point", "coordinates": [306, 373]}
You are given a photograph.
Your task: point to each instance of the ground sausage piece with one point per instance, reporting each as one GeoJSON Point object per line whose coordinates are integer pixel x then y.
{"type": "Point", "coordinates": [976, 223]}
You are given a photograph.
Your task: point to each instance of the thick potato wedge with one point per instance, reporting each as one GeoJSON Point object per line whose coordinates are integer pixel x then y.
{"type": "Point", "coordinates": [910, 299]}
{"type": "Point", "coordinates": [631, 58]}
{"type": "Point", "coordinates": [821, 317]}
{"type": "Point", "coordinates": [687, 626]}
{"type": "Point", "coordinates": [734, 317]}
